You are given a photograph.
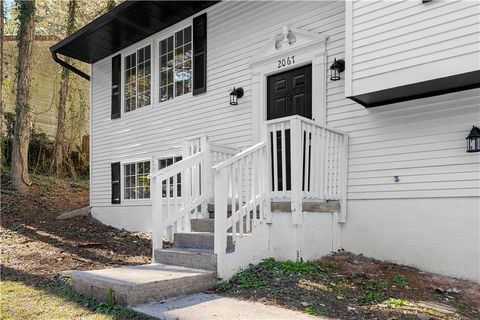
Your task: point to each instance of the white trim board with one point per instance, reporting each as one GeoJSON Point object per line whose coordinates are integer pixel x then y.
{"type": "Point", "coordinates": [309, 48]}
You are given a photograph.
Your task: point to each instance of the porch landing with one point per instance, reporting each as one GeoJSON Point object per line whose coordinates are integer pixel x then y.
{"type": "Point", "coordinates": [136, 285]}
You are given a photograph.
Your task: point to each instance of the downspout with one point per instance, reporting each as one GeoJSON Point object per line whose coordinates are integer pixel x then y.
{"type": "Point", "coordinates": [69, 66]}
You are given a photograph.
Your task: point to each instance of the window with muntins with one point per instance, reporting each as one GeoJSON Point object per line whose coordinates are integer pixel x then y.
{"type": "Point", "coordinates": [137, 183]}
{"type": "Point", "coordinates": [137, 83]}
{"type": "Point", "coordinates": [175, 67]}
{"type": "Point", "coordinates": [163, 163]}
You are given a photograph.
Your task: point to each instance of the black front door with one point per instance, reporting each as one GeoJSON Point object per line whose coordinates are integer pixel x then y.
{"type": "Point", "coordinates": [289, 93]}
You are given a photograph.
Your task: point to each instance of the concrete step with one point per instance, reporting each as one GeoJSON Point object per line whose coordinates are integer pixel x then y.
{"type": "Point", "coordinates": [142, 284]}
{"type": "Point", "coordinates": [203, 259]}
{"type": "Point", "coordinates": [198, 240]}
{"type": "Point", "coordinates": [203, 225]}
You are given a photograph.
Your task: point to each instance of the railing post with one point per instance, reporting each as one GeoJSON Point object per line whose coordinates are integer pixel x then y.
{"type": "Point", "coordinates": [266, 171]}
{"type": "Point", "coordinates": [220, 233]}
{"type": "Point", "coordinates": [206, 174]}
{"type": "Point", "coordinates": [296, 156]}
{"type": "Point", "coordinates": [343, 180]}
{"type": "Point", "coordinates": [157, 212]}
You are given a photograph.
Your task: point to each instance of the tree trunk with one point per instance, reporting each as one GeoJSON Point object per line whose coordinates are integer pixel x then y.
{"type": "Point", "coordinates": [25, 39]}
{"type": "Point", "coordinates": [60, 138]}
{"type": "Point", "coordinates": [2, 31]}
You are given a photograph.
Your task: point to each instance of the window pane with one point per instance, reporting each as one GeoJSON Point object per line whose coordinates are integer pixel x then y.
{"type": "Point", "coordinates": [179, 55]}
{"type": "Point", "coordinates": [163, 47]}
{"type": "Point", "coordinates": [163, 94]}
{"type": "Point", "coordinates": [179, 38]}
{"type": "Point", "coordinates": [170, 44]}
{"type": "Point", "coordinates": [187, 52]}
{"type": "Point", "coordinates": [187, 35]}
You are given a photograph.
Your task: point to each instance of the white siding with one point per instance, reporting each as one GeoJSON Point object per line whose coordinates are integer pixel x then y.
{"type": "Point", "coordinates": [421, 141]}
{"type": "Point", "coordinates": [236, 30]}
{"type": "Point", "coordinates": [395, 43]}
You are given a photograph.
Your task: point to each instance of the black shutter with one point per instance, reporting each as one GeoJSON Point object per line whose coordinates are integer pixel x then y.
{"type": "Point", "coordinates": [116, 76]}
{"type": "Point", "coordinates": [200, 54]}
{"type": "Point", "coordinates": [116, 182]}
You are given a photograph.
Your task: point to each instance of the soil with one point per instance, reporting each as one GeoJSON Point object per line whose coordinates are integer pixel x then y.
{"type": "Point", "coordinates": [348, 286]}
{"type": "Point", "coordinates": [36, 247]}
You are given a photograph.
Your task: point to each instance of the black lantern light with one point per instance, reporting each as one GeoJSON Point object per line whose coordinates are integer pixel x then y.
{"type": "Point", "coordinates": [235, 95]}
{"type": "Point", "coordinates": [335, 69]}
{"type": "Point", "coordinates": [473, 140]}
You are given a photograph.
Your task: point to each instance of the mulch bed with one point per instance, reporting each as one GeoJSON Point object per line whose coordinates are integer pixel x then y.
{"type": "Point", "coordinates": [36, 247]}
{"type": "Point", "coordinates": [349, 286]}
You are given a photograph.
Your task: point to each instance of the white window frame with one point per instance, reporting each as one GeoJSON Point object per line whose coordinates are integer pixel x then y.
{"type": "Point", "coordinates": [157, 164]}
{"type": "Point", "coordinates": [122, 181]}
{"type": "Point", "coordinates": [156, 40]}
{"type": "Point", "coordinates": [153, 65]}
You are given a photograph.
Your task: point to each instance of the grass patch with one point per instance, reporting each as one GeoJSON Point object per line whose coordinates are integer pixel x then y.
{"type": "Point", "coordinates": [400, 281]}
{"type": "Point", "coordinates": [57, 300]}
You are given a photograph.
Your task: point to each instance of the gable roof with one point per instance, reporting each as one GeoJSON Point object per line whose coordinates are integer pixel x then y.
{"type": "Point", "coordinates": [124, 25]}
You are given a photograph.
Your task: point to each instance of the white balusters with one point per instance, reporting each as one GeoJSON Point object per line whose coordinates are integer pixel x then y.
{"type": "Point", "coordinates": [317, 158]}
{"type": "Point", "coordinates": [239, 179]}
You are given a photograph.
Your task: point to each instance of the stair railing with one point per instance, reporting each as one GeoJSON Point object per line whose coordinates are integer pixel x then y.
{"type": "Point", "coordinates": [182, 190]}
{"type": "Point", "coordinates": [309, 161]}
{"type": "Point", "coordinates": [173, 205]}
{"type": "Point", "coordinates": [241, 182]}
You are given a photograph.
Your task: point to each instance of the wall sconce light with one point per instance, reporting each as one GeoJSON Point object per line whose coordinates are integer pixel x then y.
{"type": "Point", "coordinates": [473, 140]}
{"type": "Point", "coordinates": [335, 69]}
{"type": "Point", "coordinates": [235, 95]}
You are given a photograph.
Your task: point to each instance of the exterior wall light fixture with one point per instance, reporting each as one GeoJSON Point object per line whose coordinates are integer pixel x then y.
{"type": "Point", "coordinates": [335, 69]}
{"type": "Point", "coordinates": [235, 95]}
{"type": "Point", "coordinates": [473, 140]}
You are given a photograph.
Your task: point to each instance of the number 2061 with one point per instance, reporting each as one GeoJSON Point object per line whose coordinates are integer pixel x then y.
{"type": "Point", "coordinates": [286, 62]}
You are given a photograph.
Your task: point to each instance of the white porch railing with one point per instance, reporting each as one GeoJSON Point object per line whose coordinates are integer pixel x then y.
{"type": "Point", "coordinates": [297, 160]}
{"type": "Point", "coordinates": [241, 181]}
{"type": "Point", "coordinates": [309, 161]}
{"type": "Point", "coordinates": [174, 204]}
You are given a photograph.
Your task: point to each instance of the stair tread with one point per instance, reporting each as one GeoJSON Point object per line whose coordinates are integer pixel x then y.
{"type": "Point", "coordinates": [188, 250]}
{"type": "Point", "coordinates": [133, 285]}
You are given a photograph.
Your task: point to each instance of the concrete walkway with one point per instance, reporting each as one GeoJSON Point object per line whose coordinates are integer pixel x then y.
{"type": "Point", "coordinates": [210, 306]}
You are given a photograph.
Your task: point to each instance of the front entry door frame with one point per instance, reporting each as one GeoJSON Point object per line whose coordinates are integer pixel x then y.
{"type": "Point", "coordinates": [309, 48]}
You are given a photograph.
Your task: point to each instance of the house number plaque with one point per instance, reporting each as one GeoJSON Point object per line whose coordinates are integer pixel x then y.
{"type": "Point", "coordinates": [286, 62]}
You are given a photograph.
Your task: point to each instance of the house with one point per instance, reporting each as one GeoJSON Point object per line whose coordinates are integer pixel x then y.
{"type": "Point", "coordinates": [244, 130]}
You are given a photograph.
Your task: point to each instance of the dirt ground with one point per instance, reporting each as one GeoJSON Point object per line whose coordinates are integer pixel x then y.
{"type": "Point", "coordinates": [348, 286]}
{"type": "Point", "coordinates": [36, 246]}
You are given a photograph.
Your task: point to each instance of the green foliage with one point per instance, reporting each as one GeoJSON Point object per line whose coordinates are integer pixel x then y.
{"type": "Point", "coordinates": [249, 278]}
{"type": "Point", "coordinates": [400, 281]}
{"type": "Point", "coordinates": [288, 267]}
{"type": "Point", "coordinates": [373, 290]}
{"type": "Point", "coordinates": [392, 302]}
{"type": "Point", "coordinates": [315, 311]}
{"type": "Point", "coordinates": [257, 276]}
{"type": "Point", "coordinates": [370, 296]}
{"type": "Point", "coordinates": [16, 228]}
{"type": "Point", "coordinates": [25, 9]}
{"type": "Point", "coordinates": [223, 286]}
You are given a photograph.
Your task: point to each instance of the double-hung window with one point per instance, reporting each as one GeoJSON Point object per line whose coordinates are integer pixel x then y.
{"type": "Point", "coordinates": [137, 183]}
{"type": "Point", "coordinates": [137, 82]}
{"type": "Point", "coordinates": [175, 67]}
